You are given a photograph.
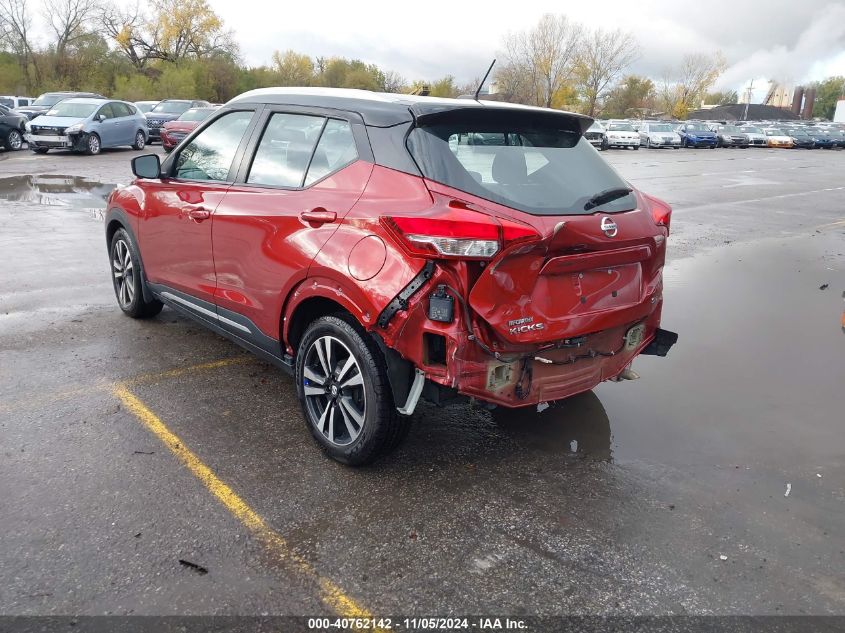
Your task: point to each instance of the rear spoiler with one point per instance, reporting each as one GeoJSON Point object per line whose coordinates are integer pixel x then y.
{"type": "Point", "coordinates": [496, 111]}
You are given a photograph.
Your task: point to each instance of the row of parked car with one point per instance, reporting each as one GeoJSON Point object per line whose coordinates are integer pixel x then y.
{"type": "Point", "coordinates": [88, 122]}
{"type": "Point", "coordinates": [623, 133]}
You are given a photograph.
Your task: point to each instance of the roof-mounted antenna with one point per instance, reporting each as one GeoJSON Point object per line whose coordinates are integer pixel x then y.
{"type": "Point", "coordinates": [487, 74]}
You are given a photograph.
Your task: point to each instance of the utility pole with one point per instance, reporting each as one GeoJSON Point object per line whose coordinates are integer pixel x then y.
{"type": "Point", "coordinates": [748, 94]}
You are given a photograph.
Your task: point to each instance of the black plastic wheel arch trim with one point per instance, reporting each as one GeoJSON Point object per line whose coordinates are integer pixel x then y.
{"type": "Point", "coordinates": [400, 301]}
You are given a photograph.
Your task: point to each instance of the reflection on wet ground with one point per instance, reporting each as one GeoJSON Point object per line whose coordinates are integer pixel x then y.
{"type": "Point", "coordinates": [758, 372]}
{"type": "Point", "coordinates": [577, 427]}
{"type": "Point", "coordinates": [55, 190]}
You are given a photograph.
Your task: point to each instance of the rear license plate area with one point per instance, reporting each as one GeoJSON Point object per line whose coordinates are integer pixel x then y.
{"type": "Point", "coordinates": [605, 288]}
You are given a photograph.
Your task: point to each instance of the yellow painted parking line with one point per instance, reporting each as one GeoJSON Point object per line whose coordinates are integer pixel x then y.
{"type": "Point", "coordinates": [40, 398]}
{"type": "Point", "coordinates": [330, 593]}
{"type": "Point", "coordinates": [181, 371]}
{"type": "Point", "coordinates": [831, 225]}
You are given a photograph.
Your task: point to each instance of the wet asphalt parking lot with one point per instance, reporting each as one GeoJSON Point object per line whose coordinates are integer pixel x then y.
{"type": "Point", "coordinates": [127, 446]}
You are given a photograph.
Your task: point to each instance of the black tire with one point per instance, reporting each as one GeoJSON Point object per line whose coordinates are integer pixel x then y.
{"type": "Point", "coordinates": [123, 255]}
{"type": "Point", "coordinates": [636, 147]}
{"type": "Point", "coordinates": [604, 144]}
{"type": "Point", "coordinates": [140, 141]}
{"type": "Point", "coordinates": [13, 141]}
{"type": "Point", "coordinates": [40, 150]}
{"type": "Point", "coordinates": [92, 144]}
{"type": "Point", "coordinates": [381, 428]}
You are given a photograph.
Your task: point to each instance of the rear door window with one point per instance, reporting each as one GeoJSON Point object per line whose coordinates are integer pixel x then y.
{"type": "Point", "coordinates": [121, 109]}
{"type": "Point", "coordinates": [285, 150]}
{"type": "Point", "coordinates": [531, 163]}
{"type": "Point", "coordinates": [335, 151]}
{"type": "Point", "coordinates": [210, 154]}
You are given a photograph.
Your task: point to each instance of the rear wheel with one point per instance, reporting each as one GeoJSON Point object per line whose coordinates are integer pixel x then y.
{"type": "Point", "coordinates": [13, 141]}
{"type": "Point", "coordinates": [140, 141]}
{"type": "Point", "coordinates": [341, 380]}
{"type": "Point", "coordinates": [127, 280]}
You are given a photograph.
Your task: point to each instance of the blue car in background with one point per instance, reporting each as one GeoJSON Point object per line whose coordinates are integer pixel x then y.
{"type": "Point", "coordinates": [87, 125]}
{"type": "Point", "coordinates": [823, 138]}
{"type": "Point", "coordinates": [696, 134]}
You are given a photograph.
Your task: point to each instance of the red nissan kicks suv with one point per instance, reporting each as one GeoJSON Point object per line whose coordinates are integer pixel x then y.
{"type": "Point", "coordinates": [384, 248]}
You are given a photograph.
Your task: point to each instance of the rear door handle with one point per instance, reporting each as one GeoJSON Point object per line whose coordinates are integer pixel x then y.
{"type": "Point", "coordinates": [318, 216]}
{"type": "Point", "coordinates": [199, 214]}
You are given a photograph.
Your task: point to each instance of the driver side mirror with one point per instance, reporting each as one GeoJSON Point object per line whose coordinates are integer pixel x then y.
{"type": "Point", "coordinates": [101, 117]}
{"type": "Point", "coordinates": [147, 166]}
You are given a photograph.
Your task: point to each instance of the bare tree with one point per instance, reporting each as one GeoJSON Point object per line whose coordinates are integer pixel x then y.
{"type": "Point", "coordinates": [513, 84]}
{"type": "Point", "coordinates": [393, 82]}
{"type": "Point", "coordinates": [684, 86]}
{"type": "Point", "coordinates": [545, 55]}
{"type": "Point", "coordinates": [68, 20]}
{"type": "Point", "coordinates": [124, 27]}
{"type": "Point", "coordinates": [15, 24]}
{"type": "Point", "coordinates": [180, 29]}
{"type": "Point", "coordinates": [604, 57]}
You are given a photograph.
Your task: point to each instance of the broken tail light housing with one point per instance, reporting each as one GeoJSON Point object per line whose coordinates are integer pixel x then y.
{"type": "Point", "coordinates": [661, 212]}
{"type": "Point", "coordinates": [457, 232]}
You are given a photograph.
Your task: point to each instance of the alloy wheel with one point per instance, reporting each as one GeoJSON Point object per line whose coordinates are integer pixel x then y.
{"type": "Point", "coordinates": [94, 144]}
{"type": "Point", "coordinates": [139, 141]}
{"type": "Point", "coordinates": [333, 385]}
{"type": "Point", "coordinates": [15, 140]}
{"type": "Point", "coordinates": [123, 272]}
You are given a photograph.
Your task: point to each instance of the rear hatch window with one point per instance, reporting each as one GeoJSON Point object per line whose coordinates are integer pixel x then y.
{"type": "Point", "coordinates": [536, 163]}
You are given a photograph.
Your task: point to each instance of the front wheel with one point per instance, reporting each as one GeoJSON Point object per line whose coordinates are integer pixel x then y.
{"type": "Point", "coordinates": [92, 147]}
{"type": "Point", "coordinates": [127, 280]}
{"type": "Point", "coordinates": [14, 140]}
{"type": "Point", "coordinates": [341, 381]}
{"type": "Point", "coordinates": [140, 141]}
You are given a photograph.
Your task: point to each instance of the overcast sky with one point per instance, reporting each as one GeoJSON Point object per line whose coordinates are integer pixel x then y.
{"type": "Point", "coordinates": [791, 41]}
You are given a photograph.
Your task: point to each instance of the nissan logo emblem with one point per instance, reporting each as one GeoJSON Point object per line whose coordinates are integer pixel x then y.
{"type": "Point", "coordinates": [609, 227]}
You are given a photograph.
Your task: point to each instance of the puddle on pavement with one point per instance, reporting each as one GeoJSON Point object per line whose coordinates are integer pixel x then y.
{"type": "Point", "coordinates": [576, 427]}
{"type": "Point", "coordinates": [52, 190]}
{"type": "Point", "coordinates": [757, 375]}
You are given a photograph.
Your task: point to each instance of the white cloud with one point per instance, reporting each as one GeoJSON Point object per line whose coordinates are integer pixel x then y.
{"type": "Point", "coordinates": [798, 42]}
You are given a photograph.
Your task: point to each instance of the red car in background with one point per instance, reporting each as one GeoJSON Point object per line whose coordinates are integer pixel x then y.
{"type": "Point", "coordinates": [384, 248]}
{"type": "Point", "coordinates": [173, 132]}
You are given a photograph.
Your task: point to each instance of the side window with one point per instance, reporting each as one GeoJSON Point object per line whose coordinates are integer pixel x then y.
{"type": "Point", "coordinates": [209, 156]}
{"type": "Point", "coordinates": [285, 149]}
{"type": "Point", "coordinates": [106, 111]}
{"type": "Point", "coordinates": [121, 109]}
{"type": "Point", "coordinates": [335, 150]}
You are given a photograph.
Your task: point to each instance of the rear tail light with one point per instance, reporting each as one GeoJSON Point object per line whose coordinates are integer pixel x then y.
{"type": "Point", "coordinates": [660, 212]}
{"type": "Point", "coordinates": [457, 232]}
